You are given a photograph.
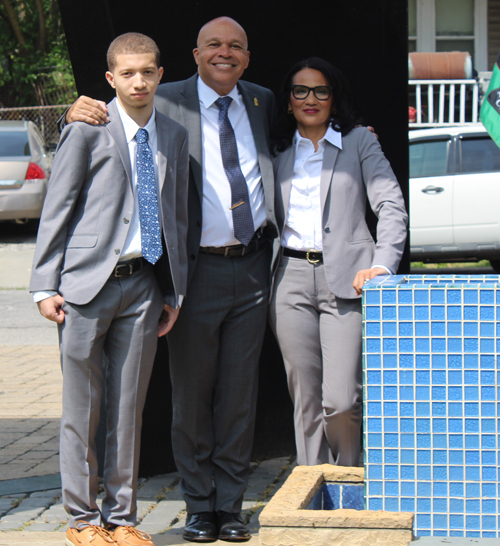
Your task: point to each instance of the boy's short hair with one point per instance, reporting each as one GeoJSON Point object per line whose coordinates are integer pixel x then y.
{"type": "Point", "coordinates": [131, 43]}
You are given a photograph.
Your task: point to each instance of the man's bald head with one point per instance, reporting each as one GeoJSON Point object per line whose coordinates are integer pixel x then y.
{"type": "Point", "coordinates": [221, 54]}
{"type": "Point", "coordinates": [228, 22]}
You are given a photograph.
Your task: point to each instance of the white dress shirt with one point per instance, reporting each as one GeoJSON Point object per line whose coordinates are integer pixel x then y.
{"type": "Point", "coordinates": [217, 228]}
{"type": "Point", "coordinates": [303, 229]}
{"type": "Point", "coordinates": [132, 247]}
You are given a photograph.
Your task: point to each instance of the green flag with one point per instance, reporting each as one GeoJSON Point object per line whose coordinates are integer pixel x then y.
{"type": "Point", "coordinates": [490, 109]}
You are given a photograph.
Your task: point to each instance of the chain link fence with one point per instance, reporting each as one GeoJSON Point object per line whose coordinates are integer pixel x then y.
{"type": "Point", "coordinates": [45, 117]}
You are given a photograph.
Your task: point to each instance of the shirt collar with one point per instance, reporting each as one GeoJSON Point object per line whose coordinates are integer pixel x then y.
{"type": "Point", "coordinates": [208, 96]}
{"type": "Point", "coordinates": [332, 136]}
{"type": "Point", "coordinates": [131, 127]}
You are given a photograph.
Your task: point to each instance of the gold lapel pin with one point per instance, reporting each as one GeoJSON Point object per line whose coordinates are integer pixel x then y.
{"type": "Point", "coordinates": [255, 101]}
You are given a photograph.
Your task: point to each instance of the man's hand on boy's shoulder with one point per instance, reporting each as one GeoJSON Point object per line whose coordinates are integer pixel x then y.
{"type": "Point", "coordinates": [51, 308]}
{"type": "Point", "coordinates": [88, 110]}
{"type": "Point", "coordinates": [369, 127]}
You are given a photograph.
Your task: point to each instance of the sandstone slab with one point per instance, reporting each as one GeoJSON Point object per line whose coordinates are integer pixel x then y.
{"type": "Point", "coordinates": [288, 517]}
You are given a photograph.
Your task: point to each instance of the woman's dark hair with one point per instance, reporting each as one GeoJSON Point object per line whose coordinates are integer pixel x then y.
{"type": "Point", "coordinates": [344, 119]}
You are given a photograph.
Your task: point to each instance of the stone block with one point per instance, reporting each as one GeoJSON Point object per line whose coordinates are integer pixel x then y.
{"type": "Point", "coordinates": [272, 466]}
{"type": "Point", "coordinates": [156, 486]}
{"type": "Point", "coordinates": [54, 493]}
{"type": "Point", "coordinates": [55, 515]}
{"type": "Point", "coordinates": [162, 516]}
{"type": "Point", "coordinates": [144, 507]}
{"type": "Point", "coordinates": [5, 505]}
{"type": "Point", "coordinates": [10, 525]}
{"type": "Point", "coordinates": [43, 527]}
{"type": "Point", "coordinates": [294, 516]}
{"type": "Point", "coordinates": [174, 494]}
{"type": "Point", "coordinates": [247, 505]}
{"type": "Point", "coordinates": [293, 536]}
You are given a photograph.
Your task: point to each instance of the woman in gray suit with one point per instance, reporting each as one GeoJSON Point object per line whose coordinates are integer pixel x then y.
{"type": "Point", "coordinates": [326, 168]}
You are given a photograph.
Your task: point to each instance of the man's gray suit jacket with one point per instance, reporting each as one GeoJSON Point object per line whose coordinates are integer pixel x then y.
{"type": "Point", "coordinates": [90, 202]}
{"type": "Point", "coordinates": [180, 101]}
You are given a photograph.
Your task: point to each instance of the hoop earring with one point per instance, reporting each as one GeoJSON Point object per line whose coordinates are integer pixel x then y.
{"type": "Point", "coordinates": [289, 111]}
{"type": "Point", "coordinates": [334, 111]}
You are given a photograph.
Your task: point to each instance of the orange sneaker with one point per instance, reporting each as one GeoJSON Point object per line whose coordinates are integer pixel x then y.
{"type": "Point", "coordinates": [86, 534]}
{"type": "Point", "coordinates": [130, 536]}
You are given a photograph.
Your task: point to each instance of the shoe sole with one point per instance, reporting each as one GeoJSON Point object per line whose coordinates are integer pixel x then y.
{"type": "Point", "coordinates": [234, 539]}
{"type": "Point", "coordinates": [68, 542]}
{"type": "Point", "coordinates": [194, 539]}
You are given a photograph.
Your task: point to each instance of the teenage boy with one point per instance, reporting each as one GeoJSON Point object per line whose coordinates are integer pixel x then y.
{"type": "Point", "coordinates": [116, 205]}
{"type": "Point", "coordinates": [215, 345]}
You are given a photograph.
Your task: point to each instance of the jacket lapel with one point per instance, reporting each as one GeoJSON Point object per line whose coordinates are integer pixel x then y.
{"type": "Point", "coordinates": [257, 120]}
{"type": "Point", "coordinates": [189, 107]}
{"type": "Point", "coordinates": [285, 174]}
{"type": "Point", "coordinates": [329, 159]}
{"type": "Point", "coordinates": [115, 127]}
{"type": "Point", "coordinates": [163, 141]}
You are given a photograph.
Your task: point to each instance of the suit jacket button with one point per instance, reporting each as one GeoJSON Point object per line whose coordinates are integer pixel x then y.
{"type": "Point", "coordinates": [327, 230]}
{"type": "Point", "coordinates": [117, 251]}
{"type": "Point", "coordinates": [198, 223]}
{"type": "Point", "coordinates": [193, 257]}
{"type": "Point", "coordinates": [126, 220]}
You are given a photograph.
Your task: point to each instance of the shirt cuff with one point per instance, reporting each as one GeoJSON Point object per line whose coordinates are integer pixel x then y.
{"type": "Point", "coordinates": [389, 272]}
{"type": "Point", "coordinates": [41, 295]}
{"type": "Point", "coordinates": [181, 299]}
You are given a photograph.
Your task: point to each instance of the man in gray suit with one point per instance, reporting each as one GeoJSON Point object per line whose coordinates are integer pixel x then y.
{"type": "Point", "coordinates": [215, 345]}
{"type": "Point", "coordinates": [116, 205]}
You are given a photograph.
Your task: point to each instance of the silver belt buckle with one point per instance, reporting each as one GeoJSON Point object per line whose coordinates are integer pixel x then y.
{"type": "Point", "coordinates": [130, 270]}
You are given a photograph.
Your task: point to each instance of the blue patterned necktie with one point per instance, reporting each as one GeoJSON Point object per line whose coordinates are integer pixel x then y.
{"type": "Point", "coordinates": [148, 201]}
{"type": "Point", "coordinates": [240, 201]}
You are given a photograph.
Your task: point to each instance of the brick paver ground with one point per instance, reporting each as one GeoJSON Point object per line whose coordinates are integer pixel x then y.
{"type": "Point", "coordinates": [30, 411]}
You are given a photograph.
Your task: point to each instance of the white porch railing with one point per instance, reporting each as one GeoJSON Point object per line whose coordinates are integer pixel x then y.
{"type": "Point", "coordinates": [436, 102]}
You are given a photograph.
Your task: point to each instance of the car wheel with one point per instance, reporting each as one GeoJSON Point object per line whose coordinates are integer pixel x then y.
{"type": "Point", "coordinates": [495, 264]}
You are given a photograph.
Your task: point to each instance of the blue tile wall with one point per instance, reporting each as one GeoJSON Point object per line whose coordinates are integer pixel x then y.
{"type": "Point", "coordinates": [333, 496]}
{"type": "Point", "coordinates": [431, 381]}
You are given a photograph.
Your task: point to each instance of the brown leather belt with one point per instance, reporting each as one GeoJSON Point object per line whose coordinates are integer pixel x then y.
{"type": "Point", "coordinates": [259, 240]}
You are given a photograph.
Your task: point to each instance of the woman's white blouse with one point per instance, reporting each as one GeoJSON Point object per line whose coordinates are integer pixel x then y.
{"type": "Point", "coordinates": [303, 230]}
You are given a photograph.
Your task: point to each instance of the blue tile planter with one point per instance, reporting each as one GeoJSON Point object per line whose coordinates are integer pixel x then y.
{"type": "Point", "coordinates": [430, 373]}
{"type": "Point", "coordinates": [336, 496]}
{"type": "Point", "coordinates": [324, 504]}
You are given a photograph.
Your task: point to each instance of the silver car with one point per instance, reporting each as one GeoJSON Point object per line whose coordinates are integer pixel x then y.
{"type": "Point", "coordinates": [25, 165]}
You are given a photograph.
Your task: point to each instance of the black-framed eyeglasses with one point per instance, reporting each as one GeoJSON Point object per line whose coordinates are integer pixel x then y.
{"type": "Point", "coordinates": [321, 92]}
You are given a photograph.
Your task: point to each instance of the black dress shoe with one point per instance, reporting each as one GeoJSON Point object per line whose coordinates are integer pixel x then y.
{"type": "Point", "coordinates": [231, 527]}
{"type": "Point", "coordinates": [200, 527]}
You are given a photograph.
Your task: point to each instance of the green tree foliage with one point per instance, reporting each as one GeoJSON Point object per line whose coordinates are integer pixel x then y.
{"type": "Point", "coordinates": [34, 62]}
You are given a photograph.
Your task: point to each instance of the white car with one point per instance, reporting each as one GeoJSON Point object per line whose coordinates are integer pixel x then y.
{"type": "Point", "coordinates": [454, 195]}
